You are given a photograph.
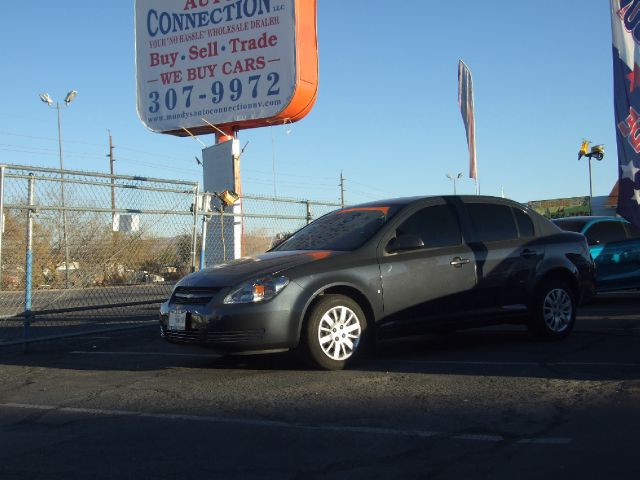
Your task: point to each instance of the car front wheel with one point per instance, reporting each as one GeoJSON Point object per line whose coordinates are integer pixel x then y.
{"type": "Point", "coordinates": [335, 331]}
{"type": "Point", "coordinates": [554, 311]}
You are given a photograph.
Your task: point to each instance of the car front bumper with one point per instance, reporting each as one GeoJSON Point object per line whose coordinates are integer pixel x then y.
{"type": "Point", "coordinates": [273, 325]}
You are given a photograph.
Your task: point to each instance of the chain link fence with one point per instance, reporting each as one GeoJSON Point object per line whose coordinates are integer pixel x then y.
{"type": "Point", "coordinates": [84, 252]}
{"type": "Point", "coordinates": [253, 225]}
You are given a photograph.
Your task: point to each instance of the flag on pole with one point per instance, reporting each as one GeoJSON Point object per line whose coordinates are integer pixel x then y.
{"type": "Point", "coordinates": [625, 27]}
{"type": "Point", "coordinates": [465, 100]}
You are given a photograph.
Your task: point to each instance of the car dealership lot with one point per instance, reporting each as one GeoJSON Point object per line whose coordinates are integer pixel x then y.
{"type": "Point", "coordinates": [481, 403]}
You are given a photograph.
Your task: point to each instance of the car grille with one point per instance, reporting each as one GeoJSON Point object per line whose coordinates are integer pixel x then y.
{"type": "Point", "coordinates": [194, 295]}
{"type": "Point", "coordinates": [203, 336]}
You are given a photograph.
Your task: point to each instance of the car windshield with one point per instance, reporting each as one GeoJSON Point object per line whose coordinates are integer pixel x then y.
{"type": "Point", "coordinates": [570, 225]}
{"type": "Point", "coordinates": [344, 230]}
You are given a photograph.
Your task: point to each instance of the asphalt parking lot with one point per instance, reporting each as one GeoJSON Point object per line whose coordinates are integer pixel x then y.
{"type": "Point", "coordinates": [485, 403]}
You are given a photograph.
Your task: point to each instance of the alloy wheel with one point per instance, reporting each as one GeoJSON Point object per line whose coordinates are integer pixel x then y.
{"type": "Point", "coordinates": [339, 333]}
{"type": "Point", "coordinates": [557, 310]}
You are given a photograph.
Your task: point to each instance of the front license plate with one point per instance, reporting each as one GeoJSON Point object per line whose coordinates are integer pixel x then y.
{"type": "Point", "coordinates": [177, 320]}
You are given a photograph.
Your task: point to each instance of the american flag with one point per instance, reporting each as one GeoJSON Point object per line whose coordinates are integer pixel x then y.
{"type": "Point", "coordinates": [465, 100]}
{"type": "Point", "coordinates": [625, 27]}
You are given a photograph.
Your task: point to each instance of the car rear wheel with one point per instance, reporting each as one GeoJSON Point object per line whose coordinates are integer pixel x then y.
{"type": "Point", "coordinates": [335, 332]}
{"type": "Point", "coordinates": [554, 311]}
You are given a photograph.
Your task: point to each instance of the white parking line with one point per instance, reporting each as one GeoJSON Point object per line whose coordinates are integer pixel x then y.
{"type": "Point", "coordinates": [288, 425]}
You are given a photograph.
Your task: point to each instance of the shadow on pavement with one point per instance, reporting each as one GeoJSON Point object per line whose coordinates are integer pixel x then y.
{"type": "Point", "coordinates": [592, 352]}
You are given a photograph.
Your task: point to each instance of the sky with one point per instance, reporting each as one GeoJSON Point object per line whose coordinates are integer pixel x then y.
{"type": "Point", "coordinates": [386, 115]}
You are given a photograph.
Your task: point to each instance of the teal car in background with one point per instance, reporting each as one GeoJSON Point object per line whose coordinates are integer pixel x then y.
{"type": "Point", "coordinates": [614, 244]}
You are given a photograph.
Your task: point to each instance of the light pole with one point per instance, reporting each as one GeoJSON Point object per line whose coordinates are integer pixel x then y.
{"type": "Point", "coordinates": [49, 101]}
{"type": "Point", "coordinates": [597, 152]}
{"type": "Point", "coordinates": [454, 178]}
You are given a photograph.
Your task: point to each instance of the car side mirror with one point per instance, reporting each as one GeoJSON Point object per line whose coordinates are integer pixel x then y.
{"type": "Point", "coordinates": [406, 241]}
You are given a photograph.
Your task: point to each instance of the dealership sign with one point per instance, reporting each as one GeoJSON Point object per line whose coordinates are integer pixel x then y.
{"type": "Point", "coordinates": [230, 63]}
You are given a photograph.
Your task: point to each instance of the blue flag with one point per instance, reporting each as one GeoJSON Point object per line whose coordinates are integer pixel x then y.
{"type": "Point", "coordinates": [625, 27]}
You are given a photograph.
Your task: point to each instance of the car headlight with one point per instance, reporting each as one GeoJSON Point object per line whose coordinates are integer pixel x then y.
{"type": "Point", "coordinates": [257, 290]}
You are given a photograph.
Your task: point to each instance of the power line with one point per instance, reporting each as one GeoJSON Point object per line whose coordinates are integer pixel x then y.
{"type": "Point", "coordinates": [186, 169]}
{"type": "Point", "coordinates": [293, 184]}
{"type": "Point", "coordinates": [85, 156]}
{"type": "Point", "coordinates": [97, 156]}
{"type": "Point", "coordinates": [79, 142]}
{"type": "Point", "coordinates": [375, 188]}
{"type": "Point", "coordinates": [33, 137]}
{"type": "Point", "coordinates": [296, 175]}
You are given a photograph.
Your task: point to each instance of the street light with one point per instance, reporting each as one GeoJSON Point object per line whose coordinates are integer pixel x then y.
{"type": "Point", "coordinates": [597, 152]}
{"type": "Point", "coordinates": [46, 98]}
{"type": "Point", "coordinates": [453, 178]}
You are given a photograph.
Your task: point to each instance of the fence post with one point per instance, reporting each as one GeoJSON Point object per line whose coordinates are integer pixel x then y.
{"type": "Point", "coordinates": [309, 215]}
{"type": "Point", "coordinates": [194, 232]}
{"type": "Point", "coordinates": [1, 217]}
{"type": "Point", "coordinates": [203, 239]}
{"type": "Point", "coordinates": [28, 315]}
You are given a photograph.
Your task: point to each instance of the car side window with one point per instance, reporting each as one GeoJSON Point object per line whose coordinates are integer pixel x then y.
{"type": "Point", "coordinates": [605, 232]}
{"type": "Point", "coordinates": [436, 225]}
{"type": "Point", "coordinates": [492, 222]}
{"type": "Point", "coordinates": [633, 231]}
{"type": "Point", "coordinates": [525, 225]}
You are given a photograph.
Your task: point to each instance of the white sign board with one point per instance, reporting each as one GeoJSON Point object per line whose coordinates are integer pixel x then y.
{"type": "Point", "coordinates": [217, 166]}
{"type": "Point", "coordinates": [224, 234]}
{"type": "Point", "coordinates": [222, 60]}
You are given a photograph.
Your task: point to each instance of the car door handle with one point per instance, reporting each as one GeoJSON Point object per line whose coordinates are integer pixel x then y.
{"type": "Point", "coordinates": [526, 253]}
{"type": "Point", "coordinates": [458, 262]}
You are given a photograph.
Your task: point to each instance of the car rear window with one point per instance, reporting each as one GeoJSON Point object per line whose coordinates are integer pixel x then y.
{"type": "Point", "coordinates": [570, 225]}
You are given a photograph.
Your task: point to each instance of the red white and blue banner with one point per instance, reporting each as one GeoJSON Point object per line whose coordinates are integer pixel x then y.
{"type": "Point", "coordinates": [465, 100]}
{"type": "Point", "coordinates": [625, 26]}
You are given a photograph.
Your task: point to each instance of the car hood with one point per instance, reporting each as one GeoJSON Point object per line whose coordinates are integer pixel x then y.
{"type": "Point", "coordinates": [232, 273]}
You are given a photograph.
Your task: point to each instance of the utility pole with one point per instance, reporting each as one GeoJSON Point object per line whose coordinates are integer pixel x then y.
{"type": "Point", "coordinates": [341, 190]}
{"type": "Point", "coordinates": [113, 185]}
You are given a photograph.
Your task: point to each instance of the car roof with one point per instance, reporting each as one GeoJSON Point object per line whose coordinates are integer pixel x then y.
{"type": "Point", "coordinates": [389, 201]}
{"type": "Point", "coordinates": [592, 219]}
{"type": "Point", "coordinates": [403, 201]}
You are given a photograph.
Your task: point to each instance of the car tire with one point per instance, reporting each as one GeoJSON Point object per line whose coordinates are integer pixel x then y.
{"type": "Point", "coordinates": [335, 332]}
{"type": "Point", "coordinates": [553, 311]}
